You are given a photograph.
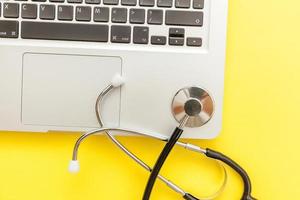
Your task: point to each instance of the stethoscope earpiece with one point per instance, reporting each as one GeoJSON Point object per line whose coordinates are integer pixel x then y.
{"type": "Point", "coordinates": [117, 80]}
{"type": "Point", "coordinates": [74, 166]}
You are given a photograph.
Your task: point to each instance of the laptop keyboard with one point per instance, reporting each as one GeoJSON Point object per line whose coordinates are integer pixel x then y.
{"type": "Point", "coordinates": [105, 21]}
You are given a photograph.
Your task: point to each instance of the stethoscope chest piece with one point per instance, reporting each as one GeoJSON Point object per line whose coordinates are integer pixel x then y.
{"type": "Point", "coordinates": [194, 102]}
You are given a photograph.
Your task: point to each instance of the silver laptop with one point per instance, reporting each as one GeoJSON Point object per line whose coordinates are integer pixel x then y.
{"type": "Point", "coordinates": [57, 55]}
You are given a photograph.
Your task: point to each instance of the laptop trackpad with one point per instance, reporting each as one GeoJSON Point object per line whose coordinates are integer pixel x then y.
{"type": "Point", "coordinates": [61, 90]}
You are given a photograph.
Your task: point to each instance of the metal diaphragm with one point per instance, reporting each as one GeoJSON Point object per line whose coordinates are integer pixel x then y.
{"type": "Point", "coordinates": [194, 102]}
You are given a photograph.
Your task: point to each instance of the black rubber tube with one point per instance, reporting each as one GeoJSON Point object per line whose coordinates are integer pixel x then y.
{"type": "Point", "coordinates": [160, 161]}
{"type": "Point", "coordinates": [188, 196]}
{"type": "Point", "coordinates": [247, 183]}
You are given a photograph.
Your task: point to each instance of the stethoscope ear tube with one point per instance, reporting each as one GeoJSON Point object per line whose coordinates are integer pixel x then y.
{"type": "Point", "coordinates": [247, 183]}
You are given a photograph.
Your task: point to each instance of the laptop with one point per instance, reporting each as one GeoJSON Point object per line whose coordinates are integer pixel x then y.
{"type": "Point", "coordinates": [56, 56]}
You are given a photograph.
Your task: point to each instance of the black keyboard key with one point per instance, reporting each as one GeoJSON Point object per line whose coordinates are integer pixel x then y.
{"type": "Point", "coordinates": [137, 16]}
{"type": "Point", "coordinates": [74, 1]}
{"type": "Point", "coordinates": [159, 40]}
{"type": "Point", "coordinates": [83, 13]}
{"type": "Point", "coordinates": [101, 14]}
{"type": "Point", "coordinates": [184, 18]}
{"type": "Point", "coordinates": [182, 3]}
{"type": "Point", "coordinates": [29, 11]}
{"type": "Point", "coordinates": [177, 41]}
{"type": "Point", "coordinates": [65, 13]}
{"type": "Point", "coordinates": [147, 3]}
{"type": "Point", "coordinates": [9, 29]}
{"type": "Point", "coordinates": [47, 12]}
{"type": "Point", "coordinates": [92, 1]}
{"type": "Point", "coordinates": [64, 31]}
{"type": "Point", "coordinates": [129, 2]}
{"type": "Point", "coordinates": [11, 10]}
{"type": "Point", "coordinates": [194, 41]}
{"type": "Point", "coordinates": [111, 2]}
{"type": "Point", "coordinates": [120, 34]}
{"type": "Point", "coordinates": [119, 15]}
{"type": "Point", "coordinates": [164, 3]}
{"type": "Point", "coordinates": [198, 4]}
{"type": "Point", "coordinates": [140, 35]}
{"type": "Point", "coordinates": [155, 16]}
{"type": "Point", "coordinates": [176, 32]}
{"type": "Point", "coordinates": [176, 36]}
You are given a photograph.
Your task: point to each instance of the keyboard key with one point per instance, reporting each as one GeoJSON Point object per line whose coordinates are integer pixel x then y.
{"type": "Point", "coordinates": [159, 40]}
{"type": "Point", "coordinates": [64, 31]}
{"type": "Point", "coordinates": [29, 11]}
{"type": "Point", "coordinates": [182, 3]}
{"type": "Point", "coordinates": [164, 3]}
{"type": "Point", "coordinates": [83, 13]}
{"type": "Point", "coordinates": [177, 41]}
{"type": "Point", "coordinates": [65, 13]}
{"type": "Point", "coordinates": [101, 14]}
{"type": "Point", "coordinates": [146, 2]}
{"type": "Point", "coordinates": [47, 11]}
{"type": "Point", "coordinates": [176, 36]}
{"type": "Point", "coordinates": [111, 2]}
{"type": "Point", "coordinates": [137, 16]}
{"type": "Point", "coordinates": [194, 41]}
{"type": "Point", "coordinates": [176, 32]}
{"type": "Point", "coordinates": [120, 34]}
{"type": "Point", "coordinates": [128, 2]}
{"type": "Point", "coordinates": [155, 16]}
{"type": "Point", "coordinates": [74, 1]}
{"type": "Point", "coordinates": [119, 15]}
{"type": "Point", "coordinates": [198, 4]}
{"type": "Point", "coordinates": [9, 29]}
{"type": "Point", "coordinates": [39, 0]}
{"type": "Point", "coordinates": [140, 35]}
{"type": "Point", "coordinates": [92, 1]}
{"type": "Point", "coordinates": [11, 10]}
{"type": "Point", "coordinates": [184, 18]}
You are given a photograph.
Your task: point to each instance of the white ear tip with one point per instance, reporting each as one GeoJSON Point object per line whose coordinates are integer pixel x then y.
{"type": "Point", "coordinates": [117, 80]}
{"type": "Point", "coordinates": [74, 166]}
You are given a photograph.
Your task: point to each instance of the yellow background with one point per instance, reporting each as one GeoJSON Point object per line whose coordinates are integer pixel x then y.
{"type": "Point", "coordinates": [261, 128]}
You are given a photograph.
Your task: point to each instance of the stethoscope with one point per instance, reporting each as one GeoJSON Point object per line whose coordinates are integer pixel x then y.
{"type": "Point", "coordinates": [191, 109]}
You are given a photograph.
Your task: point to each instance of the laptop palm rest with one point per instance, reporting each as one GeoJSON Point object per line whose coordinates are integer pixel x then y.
{"type": "Point", "coordinates": [61, 90]}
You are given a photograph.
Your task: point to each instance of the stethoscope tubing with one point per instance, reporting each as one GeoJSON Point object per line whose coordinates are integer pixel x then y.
{"type": "Point", "coordinates": [160, 137]}
{"type": "Point", "coordinates": [156, 136]}
{"type": "Point", "coordinates": [170, 184]}
{"type": "Point", "coordinates": [211, 154]}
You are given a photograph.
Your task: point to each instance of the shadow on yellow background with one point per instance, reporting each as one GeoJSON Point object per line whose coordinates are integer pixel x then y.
{"type": "Point", "coordinates": [261, 129]}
